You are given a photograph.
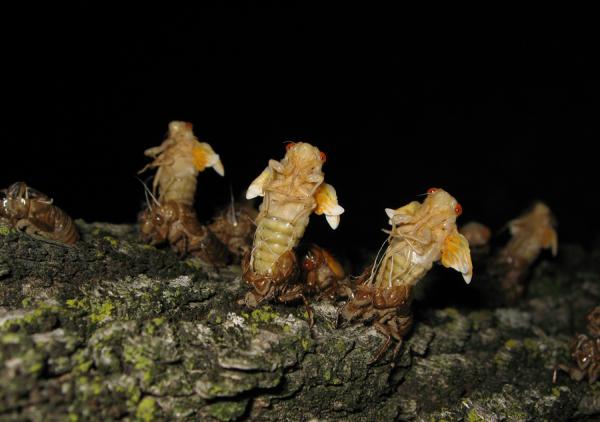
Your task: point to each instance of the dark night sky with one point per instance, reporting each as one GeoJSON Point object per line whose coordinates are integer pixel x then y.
{"type": "Point", "coordinates": [495, 117]}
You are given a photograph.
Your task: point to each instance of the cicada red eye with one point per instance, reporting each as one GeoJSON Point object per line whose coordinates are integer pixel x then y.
{"type": "Point", "coordinates": [289, 145]}
{"type": "Point", "coordinates": [432, 190]}
{"type": "Point", "coordinates": [458, 209]}
{"type": "Point", "coordinates": [323, 156]}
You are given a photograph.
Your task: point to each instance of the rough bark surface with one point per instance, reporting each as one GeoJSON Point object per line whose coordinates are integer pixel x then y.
{"type": "Point", "coordinates": [111, 329]}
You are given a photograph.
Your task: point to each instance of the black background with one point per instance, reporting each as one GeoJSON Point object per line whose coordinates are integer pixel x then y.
{"type": "Point", "coordinates": [496, 116]}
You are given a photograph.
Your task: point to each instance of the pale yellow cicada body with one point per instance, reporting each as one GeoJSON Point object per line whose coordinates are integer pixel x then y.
{"type": "Point", "coordinates": [179, 159]}
{"type": "Point", "coordinates": [293, 189]}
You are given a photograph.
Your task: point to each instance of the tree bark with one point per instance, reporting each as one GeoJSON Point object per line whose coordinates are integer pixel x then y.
{"type": "Point", "coordinates": [112, 329]}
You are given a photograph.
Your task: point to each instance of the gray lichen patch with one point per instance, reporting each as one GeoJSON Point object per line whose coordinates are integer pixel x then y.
{"type": "Point", "coordinates": [111, 329]}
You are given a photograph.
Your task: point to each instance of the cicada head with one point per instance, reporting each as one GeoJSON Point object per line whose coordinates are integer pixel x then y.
{"type": "Point", "coordinates": [180, 130]}
{"type": "Point", "coordinates": [305, 157]}
{"type": "Point", "coordinates": [443, 207]}
{"type": "Point", "coordinates": [17, 202]}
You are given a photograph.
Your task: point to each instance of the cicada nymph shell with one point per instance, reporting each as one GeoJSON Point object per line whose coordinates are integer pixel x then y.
{"type": "Point", "coordinates": [234, 226]}
{"type": "Point", "coordinates": [421, 234]}
{"type": "Point", "coordinates": [170, 217]}
{"type": "Point", "coordinates": [177, 224]}
{"type": "Point", "coordinates": [531, 233]}
{"type": "Point", "coordinates": [322, 274]}
{"type": "Point", "coordinates": [293, 189]}
{"type": "Point", "coordinates": [585, 351]}
{"type": "Point", "coordinates": [27, 209]}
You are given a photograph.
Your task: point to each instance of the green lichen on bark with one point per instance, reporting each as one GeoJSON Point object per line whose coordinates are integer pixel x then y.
{"type": "Point", "coordinates": [111, 329]}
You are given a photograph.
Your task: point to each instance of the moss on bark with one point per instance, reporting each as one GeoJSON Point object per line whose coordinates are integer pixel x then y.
{"type": "Point", "coordinates": [112, 329]}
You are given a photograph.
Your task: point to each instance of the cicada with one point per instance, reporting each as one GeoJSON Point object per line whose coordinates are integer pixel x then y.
{"type": "Point", "coordinates": [292, 190]}
{"type": "Point", "coordinates": [421, 234]}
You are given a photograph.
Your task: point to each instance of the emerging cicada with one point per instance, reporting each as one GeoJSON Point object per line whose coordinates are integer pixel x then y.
{"type": "Point", "coordinates": [293, 189]}
{"type": "Point", "coordinates": [530, 234]}
{"type": "Point", "coordinates": [179, 159]}
{"type": "Point", "coordinates": [421, 234]}
{"type": "Point", "coordinates": [27, 209]}
{"type": "Point", "coordinates": [171, 217]}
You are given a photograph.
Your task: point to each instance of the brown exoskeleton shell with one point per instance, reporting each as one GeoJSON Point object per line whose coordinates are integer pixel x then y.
{"type": "Point", "coordinates": [421, 234]}
{"type": "Point", "coordinates": [388, 309]}
{"type": "Point", "coordinates": [585, 352]}
{"type": "Point", "coordinates": [293, 189]}
{"type": "Point", "coordinates": [322, 274]}
{"type": "Point", "coordinates": [234, 226]}
{"type": "Point", "coordinates": [31, 211]}
{"type": "Point", "coordinates": [177, 224]}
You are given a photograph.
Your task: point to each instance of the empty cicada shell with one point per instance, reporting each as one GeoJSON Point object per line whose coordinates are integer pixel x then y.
{"type": "Point", "coordinates": [322, 274]}
{"type": "Point", "coordinates": [585, 351]}
{"type": "Point", "coordinates": [234, 226]}
{"type": "Point", "coordinates": [27, 209]}
{"type": "Point", "coordinates": [176, 224]}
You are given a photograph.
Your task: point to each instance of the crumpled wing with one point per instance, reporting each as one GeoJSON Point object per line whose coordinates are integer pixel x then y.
{"type": "Point", "coordinates": [457, 255]}
{"type": "Point", "coordinates": [204, 156]}
{"type": "Point", "coordinates": [257, 187]}
{"type": "Point", "coordinates": [327, 203]}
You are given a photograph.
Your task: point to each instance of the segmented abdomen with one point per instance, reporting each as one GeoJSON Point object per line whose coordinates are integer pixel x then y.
{"type": "Point", "coordinates": [178, 189]}
{"type": "Point", "coordinates": [274, 236]}
{"type": "Point", "coordinates": [398, 268]}
{"type": "Point", "coordinates": [64, 228]}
